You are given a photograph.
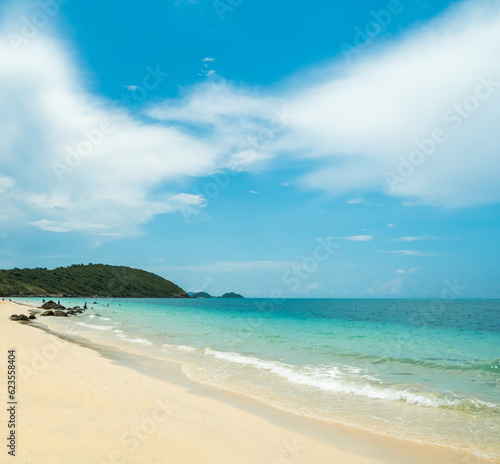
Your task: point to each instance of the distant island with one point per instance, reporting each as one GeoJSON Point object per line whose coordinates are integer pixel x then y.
{"type": "Point", "coordinates": [207, 295]}
{"type": "Point", "coordinates": [85, 281]}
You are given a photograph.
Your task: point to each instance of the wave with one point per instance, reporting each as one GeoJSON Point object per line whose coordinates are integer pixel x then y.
{"type": "Point", "coordinates": [96, 327]}
{"type": "Point", "coordinates": [179, 347]}
{"type": "Point", "coordinates": [119, 333]}
{"type": "Point", "coordinates": [141, 341]}
{"type": "Point", "coordinates": [445, 364]}
{"type": "Point", "coordinates": [335, 379]}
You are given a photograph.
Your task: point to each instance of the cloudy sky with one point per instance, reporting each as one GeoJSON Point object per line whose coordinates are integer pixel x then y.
{"type": "Point", "coordinates": [322, 149]}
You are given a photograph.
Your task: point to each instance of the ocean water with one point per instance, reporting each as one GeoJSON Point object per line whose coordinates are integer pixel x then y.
{"type": "Point", "coordinates": [420, 370]}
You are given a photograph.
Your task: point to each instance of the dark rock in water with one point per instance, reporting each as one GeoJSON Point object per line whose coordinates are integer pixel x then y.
{"type": "Point", "coordinates": [59, 313]}
{"type": "Point", "coordinates": [23, 317]}
{"type": "Point", "coordinates": [77, 308]}
{"type": "Point", "coordinates": [95, 302]}
{"type": "Point", "coordinates": [32, 316]}
{"type": "Point", "coordinates": [49, 305]}
{"type": "Point", "coordinates": [52, 305]}
{"type": "Point", "coordinates": [47, 313]}
{"type": "Point", "coordinates": [14, 317]}
{"type": "Point", "coordinates": [79, 311]}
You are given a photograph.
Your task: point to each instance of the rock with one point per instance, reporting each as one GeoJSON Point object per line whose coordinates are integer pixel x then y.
{"type": "Point", "coordinates": [21, 317]}
{"type": "Point", "coordinates": [79, 311]}
{"type": "Point", "coordinates": [49, 305]}
{"type": "Point", "coordinates": [59, 313]}
{"type": "Point", "coordinates": [47, 313]}
{"type": "Point", "coordinates": [52, 305]}
{"type": "Point", "coordinates": [32, 316]}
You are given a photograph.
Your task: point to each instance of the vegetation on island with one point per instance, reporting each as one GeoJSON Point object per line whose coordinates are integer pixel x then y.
{"type": "Point", "coordinates": [207, 295]}
{"type": "Point", "coordinates": [91, 280]}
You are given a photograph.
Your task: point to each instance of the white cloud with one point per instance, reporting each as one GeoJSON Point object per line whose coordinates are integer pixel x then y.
{"type": "Point", "coordinates": [61, 226]}
{"type": "Point", "coordinates": [358, 201]}
{"type": "Point", "coordinates": [360, 238]}
{"type": "Point", "coordinates": [207, 59]}
{"type": "Point", "coordinates": [410, 252]}
{"type": "Point", "coordinates": [254, 192]}
{"type": "Point", "coordinates": [235, 266]}
{"type": "Point", "coordinates": [6, 184]}
{"type": "Point", "coordinates": [122, 181]}
{"type": "Point", "coordinates": [353, 238]}
{"type": "Point", "coordinates": [203, 288]}
{"type": "Point", "coordinates": [207, 72]}
{"type": "Point", "coordinates": [413, 239]}
{"type": "Point", "coordinates": [391, 225]}
{"type": "Point", "coordinates": [394, 286]}
{"type": "Point", "coordinates": [357, 120]}
{"type": "Point", "coordinates": [352, 122]}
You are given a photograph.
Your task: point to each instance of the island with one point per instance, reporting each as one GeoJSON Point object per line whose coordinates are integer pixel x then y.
{"type": "Point", "coordinates": [232, 295]}
{"type": "Point", "coordinates": [207, 295]}
{"type": "Point", "coordinates": [200, 295]}
{"type": "Point", "coordinates": [87, 281]}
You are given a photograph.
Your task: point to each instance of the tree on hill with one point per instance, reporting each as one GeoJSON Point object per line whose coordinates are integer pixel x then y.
{"type": "Point", "coordinates": [89, 280]}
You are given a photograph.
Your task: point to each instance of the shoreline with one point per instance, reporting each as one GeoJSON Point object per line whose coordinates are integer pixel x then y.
{"type": "Point", "coordinates": [211, 435]}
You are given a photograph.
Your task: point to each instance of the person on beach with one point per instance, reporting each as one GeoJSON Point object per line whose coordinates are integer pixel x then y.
{"type": "Point", "coordinates": [85, 305]}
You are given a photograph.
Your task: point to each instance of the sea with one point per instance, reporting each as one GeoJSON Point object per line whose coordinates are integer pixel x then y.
{"type": "Point", "coordinates": [427, 371]}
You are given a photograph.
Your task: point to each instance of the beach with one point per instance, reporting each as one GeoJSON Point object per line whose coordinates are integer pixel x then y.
{"type": "Point", "coordinates": [80, 402]}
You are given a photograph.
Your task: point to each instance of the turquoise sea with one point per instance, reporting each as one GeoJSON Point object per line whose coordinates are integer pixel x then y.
{"type": "Point", "coordinates": [421, 370]}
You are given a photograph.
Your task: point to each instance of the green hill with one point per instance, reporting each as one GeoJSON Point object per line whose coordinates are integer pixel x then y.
{"type": "Point", "coordinates": [200, 295]}
{"type": "Point", "coordinates": [92, 280]}
{"type": "Point", "coordinates": [232, 295]}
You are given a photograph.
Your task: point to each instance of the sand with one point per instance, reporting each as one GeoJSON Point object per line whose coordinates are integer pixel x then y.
{"type": "Point", "coordinates": [77, 406]}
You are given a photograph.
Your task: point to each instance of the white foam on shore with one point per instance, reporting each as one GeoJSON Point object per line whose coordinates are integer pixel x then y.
{"type": "Point", "coordinates": [105, 318]}
{"type": "Point", "coordinates": [119, 333]}
{"type": "Point", "coordinates": [331, 379]}
{"type": "Point", "coordinates": [141, 341]}
{"type": "Point", "coordinates": [178, 347]}
{"type": "Point", "coordinates": [96, 327]}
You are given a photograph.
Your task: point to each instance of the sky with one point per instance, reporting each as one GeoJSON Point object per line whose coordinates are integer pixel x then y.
{"type": "Point", "coordinates": [313, 150]}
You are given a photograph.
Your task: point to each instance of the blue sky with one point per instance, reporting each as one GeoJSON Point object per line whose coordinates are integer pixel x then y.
{"type": "Point", "coordinates": [327, 149]}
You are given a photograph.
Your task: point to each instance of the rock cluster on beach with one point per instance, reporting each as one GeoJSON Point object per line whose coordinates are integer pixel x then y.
{"type": "Point", "coordinates": [51, 309]}
{"type": "Point", "coordinates": [54, 309]}
{"type": "Point", "coordinates": [52, 305]}
{"type": "Point", "coordinates": [21, 317]}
